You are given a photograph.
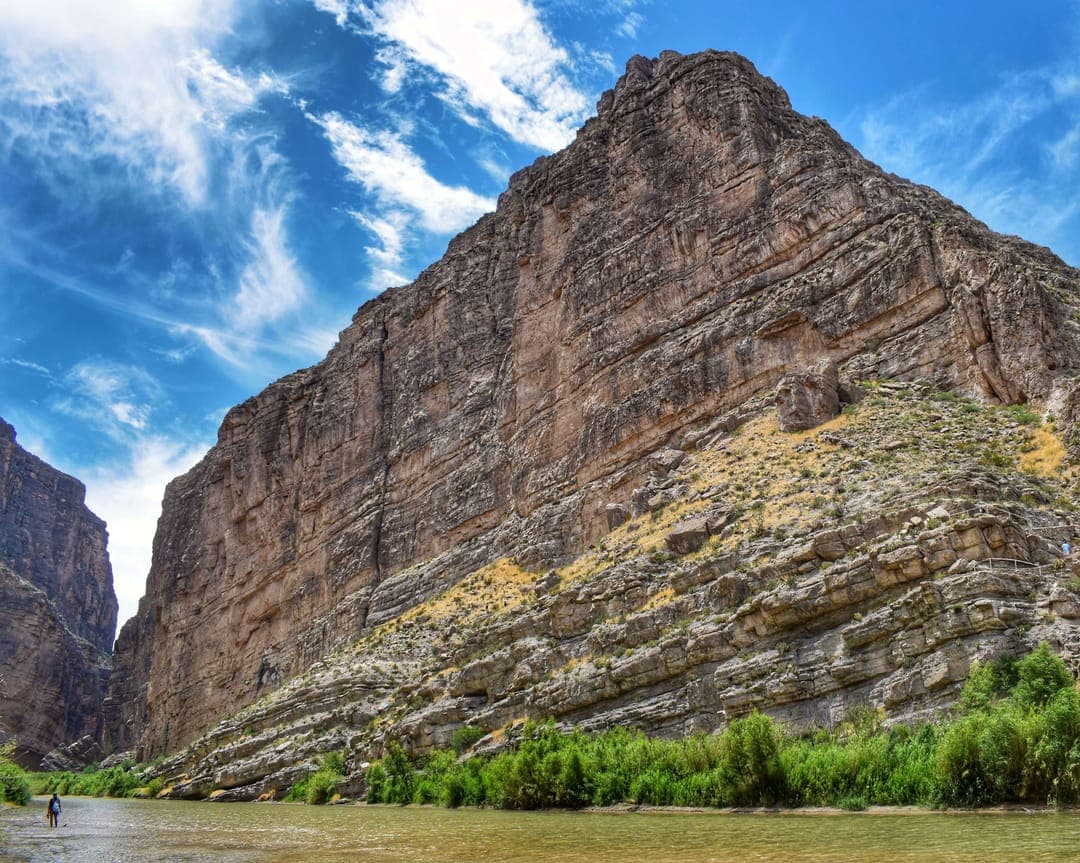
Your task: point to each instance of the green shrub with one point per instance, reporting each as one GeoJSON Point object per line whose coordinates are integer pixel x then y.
{"type": "Point", "coordinates": [14, 783]}
{"type": "Point", "coordinates": [298, 790]}
{"type": "Point", "coordinates": [376, 783]}
{"type": "Point", "coordinates": [121, 780]}
{"type": "Point", "coordinates": [321, 787]}
{"type": "Point", "coordinates": [1024, 414]}
{"type": "Point", "coordinates": [400, 776]}
{"type": "Point", "coordinates": [750, 761]}
{"type": "Point", "coordinates": [14, 786]}
{"type": "Point", "coordinates": [981, 759]}
{"type": "Point", "coordinates": [1051, 769]}
{"type": "Point", "coordinates": [912, 775]}
{"type": "Point", "coordinates": [988, 683]}
{"type": "Point", "coordinates": [854, 803]}
{"type": "Point", "coordinates": [333, 762]}
{"type": "Point", "coordinates": [465, 738]}
{"type": "Point", "coordinates": [465, 785]}
{"type": "Point", "coordinates": [1041, 675]}
{"type": "Point", "coordinates": [655, 787]}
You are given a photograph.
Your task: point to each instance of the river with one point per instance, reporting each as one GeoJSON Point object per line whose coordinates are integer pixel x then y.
{"type": "Point", "coordinates": [103, 831]}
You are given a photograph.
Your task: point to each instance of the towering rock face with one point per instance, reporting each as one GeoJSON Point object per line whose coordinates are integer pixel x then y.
{"type": "Point", "coordinates": [697, 243]}
{"type": "Point", "coordinates": [57, 605]}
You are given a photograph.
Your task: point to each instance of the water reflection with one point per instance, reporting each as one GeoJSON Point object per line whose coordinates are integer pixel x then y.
{"type": "Point", "coordinates": [123, 830]}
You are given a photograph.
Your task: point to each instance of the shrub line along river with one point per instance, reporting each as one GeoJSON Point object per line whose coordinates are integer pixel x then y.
{"type": "Point", "coordinates": [104, 830]}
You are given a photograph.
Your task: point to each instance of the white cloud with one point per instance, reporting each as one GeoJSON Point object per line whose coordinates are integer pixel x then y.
{"type": "Point", "coordinates": [273, 312]}
{"type": "Point", "coordinates": [495, 169]}
{"type": "Point", "coordinates": [630, 24]}
{"type": "Point", "coordinates": [1066, 150]}
{"type": "Point", "coordinates": [119, 401]}
{"type": "Point", "coordinates": [405, 194]}
{"type": "Point", "coordinates": [131, 415]}
{"type": "Point", "coordinates": [986, 154]}
{"type": "Point", "coordinates": [221, 94]}
{"type": "Point", "coordinates": [29, 365]}
{"type": "Point", "coordinates": [1066, 84]}
{"type": "Point", "coordinates": [128, 494]}
{"type": "Point", "coordinates": [338, 8]}
{"type": "Point", "coordinates": [128, 80]}
{"type": "Point", "coordinates": [270, 285]}
{"type": "Point", "coordinates": [387, 168]}
{"type": "Point", "coordinates": [388, 256]}
{"type": "Point", "coordinates": [495, 59]}
{"type": "Point", "coordinates": [388, 230]}
{"type": "Point", "coordinates": [395, 67]}
{"type": "Point", "coordinates": [114, 398]}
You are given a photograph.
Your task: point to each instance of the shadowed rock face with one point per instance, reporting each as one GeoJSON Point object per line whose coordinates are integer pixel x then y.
{"type": "Point", "coordinates": [57, 606]}
{"type": "Point", "coordinates": [696, 243]}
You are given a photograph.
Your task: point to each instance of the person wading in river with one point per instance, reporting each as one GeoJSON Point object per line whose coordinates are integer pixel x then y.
{"type": "Point", "coordinates": [53, 810]}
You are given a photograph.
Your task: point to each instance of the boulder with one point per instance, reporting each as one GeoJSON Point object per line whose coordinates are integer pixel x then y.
{"type": "Point", "coordinates": [808, 397]}
{"type": "Point", "coordinates": [688, 536]}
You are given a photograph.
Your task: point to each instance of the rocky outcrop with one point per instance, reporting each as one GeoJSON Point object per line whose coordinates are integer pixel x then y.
{"type": "Point", "coordinates": [74, 756]}
{"type": "Point", "coordinates": [696, 243]}
{"type": "Point", "coordinates": [804, 605]}
{"type": "Point", "coordinates": [57, 606]}
{"type": "Point", "coordinates": [807, 398]}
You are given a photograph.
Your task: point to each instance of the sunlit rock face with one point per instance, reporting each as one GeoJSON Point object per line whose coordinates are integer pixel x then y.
{"type": "Point", "coordinates": [57, 605]}
{"type": "Point", "coordinates": [698, 243]}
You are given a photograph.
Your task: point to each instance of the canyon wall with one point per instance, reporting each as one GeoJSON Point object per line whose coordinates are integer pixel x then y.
{"type": "Point", "coordinates": [57, 605]}
{"type": "Point", "coordinates": [697, 242]}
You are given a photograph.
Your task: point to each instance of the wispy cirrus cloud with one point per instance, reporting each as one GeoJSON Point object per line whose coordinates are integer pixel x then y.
{"type": "Point", "coordinates": [126, 80]}
{"type": "Point", "coordinates": [271, 285]}
{"type": "Point", "coordinates": [27, 365]}
{"type": "Point", "coordinates": [388, 257]}
{"type": "Point", "coordinates": [268, 310]}
{"type": "Point", "coordinates": [965, 151]}
{"type": "Point", "coordinates": [130, 98]}
{"type": "Point", "coordinates": [115, 399]}
{"type": "Point", "coordinates": [390, 170]}
{"type": "Point", "coordinates": [273, 310]}
{"type": "Point", "coordinates": [406, 196]}
{"type": "Point", "coordinates": [340, 9]}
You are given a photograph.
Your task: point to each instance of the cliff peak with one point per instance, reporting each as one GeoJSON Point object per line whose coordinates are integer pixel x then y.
{"type": "Point", "coordinates": [733, 74]}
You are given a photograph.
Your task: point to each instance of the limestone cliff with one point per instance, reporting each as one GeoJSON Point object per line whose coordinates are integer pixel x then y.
{"type": "Point", "coordinates": [698, 243]}
{"type": "Point", "coordinates": [57, 605]}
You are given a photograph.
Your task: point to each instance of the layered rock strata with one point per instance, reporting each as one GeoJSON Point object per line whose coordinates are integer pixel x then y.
{"type": "Point", "coordinates": [57, 605]}
{"type": "Point", "coordinates": [697, 242]}
{"type": "Point", "coordinates": [868, 563]}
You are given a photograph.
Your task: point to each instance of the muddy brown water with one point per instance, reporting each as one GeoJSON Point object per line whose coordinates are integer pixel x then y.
{"type": "Point", "coordinates": [100, 831]}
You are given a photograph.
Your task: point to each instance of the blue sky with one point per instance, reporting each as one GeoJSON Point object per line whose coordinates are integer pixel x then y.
{"type": "Point", "coordinates": [195, 196]}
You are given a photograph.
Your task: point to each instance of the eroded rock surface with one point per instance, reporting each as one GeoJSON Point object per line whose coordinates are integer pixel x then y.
{"type": "Point", "coordinates": [631, 295]}
{"type": "Point", "coordinates": [925, 556]}
{"type": "Point", "coordinates": [806, 398]}
{"type": "Point", "coordinates": [57, 605]}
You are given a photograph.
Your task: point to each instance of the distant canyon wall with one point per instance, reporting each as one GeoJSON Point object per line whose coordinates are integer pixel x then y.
{"type": "Point", "coordinates": [57, 605]}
